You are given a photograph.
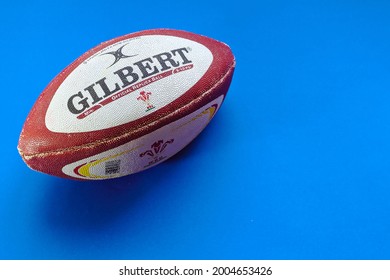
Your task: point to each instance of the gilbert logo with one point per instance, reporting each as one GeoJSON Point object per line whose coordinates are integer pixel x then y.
{"type": "Point", "coordinates": [155, 152]}
{"type": "Point", "coordinates": [144, 96]}
{"type": "Point", "coordinates": [132, 77]}
{"type": "Point", "coordinates": [118, 55]}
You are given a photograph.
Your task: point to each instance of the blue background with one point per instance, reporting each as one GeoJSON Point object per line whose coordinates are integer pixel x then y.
{"type": "Point", "coordinates": [294, 166]}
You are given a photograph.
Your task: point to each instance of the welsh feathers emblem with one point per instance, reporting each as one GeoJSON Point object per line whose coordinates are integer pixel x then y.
{"type": "Point", "coordinates": [144, 96]}
{"type": "Point", "coordinates": [156, 150]}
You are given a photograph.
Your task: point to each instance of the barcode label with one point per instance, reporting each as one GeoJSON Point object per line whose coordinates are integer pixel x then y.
{"type": "Point", "coordinates": [113, 167]}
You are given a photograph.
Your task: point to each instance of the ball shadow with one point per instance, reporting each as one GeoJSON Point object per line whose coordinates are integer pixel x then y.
{"type": "Point", "coordinates": [92, 206]}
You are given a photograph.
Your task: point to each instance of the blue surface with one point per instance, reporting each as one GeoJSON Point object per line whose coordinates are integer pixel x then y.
{"type": "Point", "coordinates": [294, 166]}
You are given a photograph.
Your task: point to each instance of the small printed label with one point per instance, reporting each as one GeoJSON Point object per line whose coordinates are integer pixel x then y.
{"type": "Point", "coordinates": [146, 151]}
{"type": "Point", "coordinates": [126, 81]}
{"type": "Point", "coordinates": [113, 167]}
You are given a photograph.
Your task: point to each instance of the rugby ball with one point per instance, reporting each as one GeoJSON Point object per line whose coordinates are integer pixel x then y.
{"type": "Point", "coordinates": [127, 105]}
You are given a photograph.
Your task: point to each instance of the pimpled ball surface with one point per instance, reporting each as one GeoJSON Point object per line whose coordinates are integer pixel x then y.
{"type": "Point", "coordinates": [127, 105]}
